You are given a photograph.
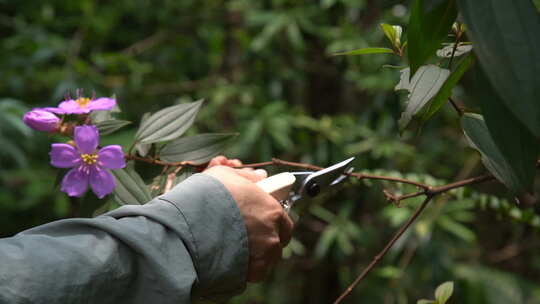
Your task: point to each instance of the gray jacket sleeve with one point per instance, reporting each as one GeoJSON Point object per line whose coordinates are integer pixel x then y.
{"type": "Point", "coordinates": [187, 245]}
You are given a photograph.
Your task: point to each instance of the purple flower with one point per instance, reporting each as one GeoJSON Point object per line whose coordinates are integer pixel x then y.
{"type": "Point", "coordinates": [83, 105]}
{"type": "Point", "coordinates": [89, 166]}
{"type": "Point", "coordinates": [41, 120]}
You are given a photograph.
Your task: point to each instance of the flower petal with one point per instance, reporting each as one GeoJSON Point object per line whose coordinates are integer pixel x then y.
{"type": "Point", "coordinates": [102, 103]}
{"type": "Point", "coordinates": [72, 107]}
{"type": "Point", "coordinates": [54, 110]}
{"type": "Point", "coordinates": [41, 120]}
{"type": "Point", "coordinates": [75, 182]}
{"type": "Point", "coordinates": [86, 138]}
{"type": "Point", "coordinates": [111, 157]}
{"type": "Point", "coordinates": [101, 181]}
{"type": "Point", "coordinates": [64, 156]}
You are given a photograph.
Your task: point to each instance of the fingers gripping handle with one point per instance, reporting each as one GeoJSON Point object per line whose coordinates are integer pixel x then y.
{"type": "Point", "coordinates": [279, 186]}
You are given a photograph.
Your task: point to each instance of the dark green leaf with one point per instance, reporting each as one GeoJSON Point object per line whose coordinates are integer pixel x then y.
{"type": "Point", "coordinates": [366, 51]}
{"type": "Point", "coordinates": [424, 85]}
{"type": "Point", "coordinates": [518, 146]}
{"type": "Point", "coordinates": [506, 37]}
{"type": "Point", "coordinates": [109, 126]}
{"type": "Point", "coordinates": [445, 91]}
{"type": "Point", "coordinates": [168, 123]}
{"type": "Point", "coordinates": [197, 149]}
{"type": "Point", "coordinates": [428, 27]}
{"type": "Point", "coordinates": [479, 138]}
{"type": "Point", "coordinates": [130, 188]}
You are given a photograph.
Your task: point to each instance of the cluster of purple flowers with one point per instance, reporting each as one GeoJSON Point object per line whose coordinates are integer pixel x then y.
{"type": "Point", "coordinates": [88, 163]}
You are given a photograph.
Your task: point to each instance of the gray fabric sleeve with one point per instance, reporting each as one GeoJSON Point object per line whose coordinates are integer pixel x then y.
{"type": "Point", "coordinates": [187, 245]}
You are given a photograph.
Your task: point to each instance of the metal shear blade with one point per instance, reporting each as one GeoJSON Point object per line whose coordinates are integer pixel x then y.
{"type": "Point", "coordinates": [311, 183]}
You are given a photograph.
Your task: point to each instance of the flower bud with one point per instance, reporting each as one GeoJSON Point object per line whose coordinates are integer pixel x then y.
{"type": "Point", "coordinates": [41, 120]}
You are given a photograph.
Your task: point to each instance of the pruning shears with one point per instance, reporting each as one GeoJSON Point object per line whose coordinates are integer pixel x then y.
{"type": "Point", "coordinates": [290, 187]}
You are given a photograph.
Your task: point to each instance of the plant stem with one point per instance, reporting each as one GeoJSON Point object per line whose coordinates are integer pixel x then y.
{"type": "Point", "coordinates": [383, 252]}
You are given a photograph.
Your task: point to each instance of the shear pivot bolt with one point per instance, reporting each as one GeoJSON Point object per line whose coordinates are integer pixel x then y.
{"type": "Point", "coordinates": [313, 189]}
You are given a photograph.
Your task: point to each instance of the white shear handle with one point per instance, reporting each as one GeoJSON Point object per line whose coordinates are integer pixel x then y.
{"type": "Point", "coordinates": [279, 186]}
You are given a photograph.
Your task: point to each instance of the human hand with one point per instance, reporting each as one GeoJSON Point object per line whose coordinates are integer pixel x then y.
{"type": "Point", "coordinates": [223, 161]}
{"type": "Point", "coordinates": [268, 226]}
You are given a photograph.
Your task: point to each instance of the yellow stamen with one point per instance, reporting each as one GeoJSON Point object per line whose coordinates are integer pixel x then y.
{"type": "Point", "coordinates": [89, 158]}
{"type": "Point", "coordinates": [83, 101]}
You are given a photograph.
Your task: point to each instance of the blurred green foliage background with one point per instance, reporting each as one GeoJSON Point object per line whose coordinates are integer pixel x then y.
{"type": "Point", "coordinates": [265, 70]}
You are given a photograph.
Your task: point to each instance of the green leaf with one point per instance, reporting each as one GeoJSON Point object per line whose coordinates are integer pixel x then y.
{"type": "Point", "coordinates": [141, 148]}
{"type": "Point", "coordinates": [327, 3]}
{"type": "Point", "coordinates": [456, 228]}
{"type": "Point", "coordinates": [393, 33]}
{"type": "Point", "coordinates": [519, 146]}
{"type": "Point", "coordinates": [424, 301]}
{"type": "Point", "coordinates": [10, 149]}
{"type": "Point", "coordinates": [444, 292]}
{"type": "Point", "coordinates": [428, 27]}
{"type": "Point", "coordinates": [197, 149]}
{"type": "Point", "coordinates": [445, 91]}
{"type": "Point", "coordinates": [326, 241]}
{"type": "Point", "coordinates": [100, 116]}
{"type": "Point", "coordinates": [424, 85]}
{"type": "Point", "coordinates": [479, 138]}
{"type": "Point", "coordinates": [365, 51]}
{"type": "Point", "coordinates": [506, 37]}
{"type": "Point", "coordinates": [168, 123]}
{"type": "Point", "coordinates": [130, 188]}
{"type": "Point", "coordinates": [109, 126]}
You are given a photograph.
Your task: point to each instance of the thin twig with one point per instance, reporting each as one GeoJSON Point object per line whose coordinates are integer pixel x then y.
{"type": "Point", "coordinates": [461, 183]}
{"type": "Point", "coordinates": [454, 48]}
{"type": "Point", "coordinates": [383, 252]}
{"type": "Point", "coordinates": [455, 106]}
{"type": "Point", "coordinates": [280, 162]}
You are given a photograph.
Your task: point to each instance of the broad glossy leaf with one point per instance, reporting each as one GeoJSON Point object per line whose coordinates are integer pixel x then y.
{"type": "Point", "coordinates": [424, 301]}
{"type": "Point", "coordinates": [130, 188]}
{"type": "Point", "coordinates": [366, 51]}
{"type": "Point", "coordinates": [197, 149]}
{"type": "Point", "coordinates": [424, 85]}
{"type": "Point", "coordinates": [168, 123]}
{"type": "Point", "coordinates": [109, 126]}
{"type": "Point", "coordinates": [141, 148]}
{"type": "Point", "coordinates": [506, 37]}
{"type": "Point", "coordinates": [444, 292]}
{"type": "Point", "coordinates": [515, 142]}
{"type": "Point", "coordinates": [445, 91]}
{"type": "Point", "coordinates": [478, 135]}
{"type": "Point", "coordinates": [428, 27]}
